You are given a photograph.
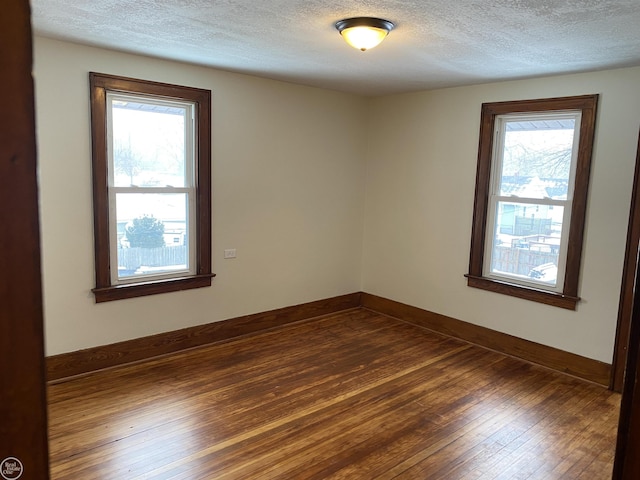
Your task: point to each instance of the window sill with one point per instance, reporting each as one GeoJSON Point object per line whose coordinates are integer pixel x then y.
{"type": "Point", "coordinates": [527, 293]}
{"type": "Point", "coordinates": [141, 289]}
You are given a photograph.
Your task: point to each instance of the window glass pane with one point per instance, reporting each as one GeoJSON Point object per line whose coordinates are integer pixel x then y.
{"type": "Point", "coordinates": [537, 158]}
{"type": "Point", "coordinates": [526, 243]}
{"type": "Point", "coordinates": [152, 233]}
{"type": "Point", "coordinates": [148, 144]}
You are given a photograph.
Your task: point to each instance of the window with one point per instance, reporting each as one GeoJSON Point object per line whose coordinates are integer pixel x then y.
{"type": "Point", "coordinates": [531, 194]}
{"type": "Point", "coordinates": [151, 147]}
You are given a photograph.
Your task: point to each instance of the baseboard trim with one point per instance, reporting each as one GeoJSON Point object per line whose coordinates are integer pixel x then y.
{"type": "Point", "coordinates": [569, 363]}
{"type": "Point", "coordinates": [80, 362]}
{"type": "Point", "coordinates": [67, 365]}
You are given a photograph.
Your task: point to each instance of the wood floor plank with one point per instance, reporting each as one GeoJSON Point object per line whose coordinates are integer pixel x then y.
{"type": "Point", "coordinates": [469, 451]}
{"type": "Point", "coordinates": [431, 418]}
{"type": "Point", "coordinates": [354, 395]}
{"type": "Point", "coordinates": [522, 461]}
{"type": "Point", "coordinates": [394, 406]}
{"type": "Point", "coordinates": [577, 425]}
{"type": "Point", "coordinates": [491, 418]}
{"type": "Point", "coordinates": [139, 385]}
{"type": "Point", "coordinates": [313, 406]}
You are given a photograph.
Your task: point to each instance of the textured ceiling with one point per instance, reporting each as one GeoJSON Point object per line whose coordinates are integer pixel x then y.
{"type": "Point", "coordinates": [436, 43]}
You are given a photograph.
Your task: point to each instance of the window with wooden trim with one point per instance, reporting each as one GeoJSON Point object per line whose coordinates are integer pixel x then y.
{"type": "Point", "coordinates": [531, 197]}
{"type": "Point", "coordinates": [151, 150]}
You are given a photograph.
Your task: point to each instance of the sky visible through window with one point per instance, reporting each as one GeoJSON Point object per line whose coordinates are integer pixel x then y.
{"type": "Point", "coordinates": [149, 151]}
{"type": "Point", "coordinates": [541, 153]}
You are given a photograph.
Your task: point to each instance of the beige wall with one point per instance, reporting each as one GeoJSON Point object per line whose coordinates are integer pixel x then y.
{"type": "Point", "coordinates": [421, 170]}
{"type": "Point", "coordinates": [287, 194]}
{"type": "Point", "coordinates": [296, 173]}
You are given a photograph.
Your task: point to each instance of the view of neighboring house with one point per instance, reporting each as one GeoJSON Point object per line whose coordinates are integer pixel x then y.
{"type": "Point", "coordinates": [529, 235]}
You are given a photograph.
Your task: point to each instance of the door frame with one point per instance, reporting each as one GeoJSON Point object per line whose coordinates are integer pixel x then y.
{"type": "Point", "coordinates": [625, 372]}
{"type": "Point", "coordinates": [625, 309]}
{"type": "Point", "coordinates": [23, 420]}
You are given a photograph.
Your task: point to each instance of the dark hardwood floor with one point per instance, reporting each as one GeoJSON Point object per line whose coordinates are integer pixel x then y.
{"type": "Point", "coordinates": [354, 395]}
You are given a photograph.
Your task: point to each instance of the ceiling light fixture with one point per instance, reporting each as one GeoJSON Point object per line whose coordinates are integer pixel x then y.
{"type": "Point", "coordinates": [364, 33]}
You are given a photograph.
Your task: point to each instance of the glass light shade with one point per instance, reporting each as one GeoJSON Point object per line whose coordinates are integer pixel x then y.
{"type": "Point", "coordinates": [364, 33]}
{"type": "Point", "coordinates": [364, 37]}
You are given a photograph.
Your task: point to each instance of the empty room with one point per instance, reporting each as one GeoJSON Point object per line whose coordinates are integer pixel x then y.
{"type": "Point", "coordinates": [268, 254]}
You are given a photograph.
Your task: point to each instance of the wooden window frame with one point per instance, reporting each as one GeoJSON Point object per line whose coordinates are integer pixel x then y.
{"type": "Point", "coordinates": [100, 84]}
{"type": "Point", "coordinates": [568, 298]}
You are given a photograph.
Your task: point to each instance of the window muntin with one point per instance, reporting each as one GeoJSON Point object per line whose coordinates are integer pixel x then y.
{"type": "Point", "coordinates": [151, 150]}
{"type": "Point", "coordinates": [497, 200]}
{"type": "Point", "coordinates": [530, 198]}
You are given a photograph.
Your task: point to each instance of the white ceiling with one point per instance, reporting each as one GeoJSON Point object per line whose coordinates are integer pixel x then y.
{"type": "Point", "coordinates": [436, 43]}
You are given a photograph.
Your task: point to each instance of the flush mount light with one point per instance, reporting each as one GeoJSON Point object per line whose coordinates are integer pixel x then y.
{"type": "Point", "coordinates": [364, 33]}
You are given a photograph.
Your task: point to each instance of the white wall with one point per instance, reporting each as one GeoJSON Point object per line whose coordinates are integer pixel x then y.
{"type": "Point", "coordinates": [421, 170]}
{"type": "Point", "coordinates": [288, 194]}
{"type": "Point", "coordinates": [289, 170]}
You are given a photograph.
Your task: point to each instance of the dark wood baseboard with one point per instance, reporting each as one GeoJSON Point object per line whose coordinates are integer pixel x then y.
{"type": "Point", "coordinates": [88, 360]}
{"type": "Point", "coordinates": [80, 362]}
{"type": "Point", "coordinates": [572, 364]}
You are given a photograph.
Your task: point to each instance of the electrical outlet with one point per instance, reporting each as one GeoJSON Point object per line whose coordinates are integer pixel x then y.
{"type": "Point", "coordinates": [230, 253]}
